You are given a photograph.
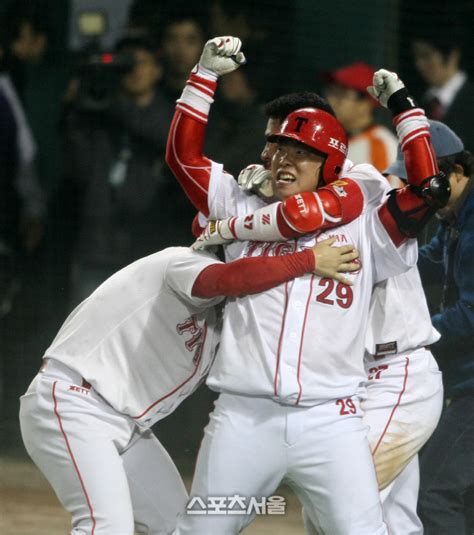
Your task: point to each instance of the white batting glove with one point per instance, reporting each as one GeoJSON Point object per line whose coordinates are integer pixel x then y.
{"type": "Point", "coordinates": [386, 83]}
{"type": "Point", "coordinates": [256, 179]}
{"type": "Point", "coordinates": [216, 233]}
{"type": "Point", "coordinates": [221, 55]}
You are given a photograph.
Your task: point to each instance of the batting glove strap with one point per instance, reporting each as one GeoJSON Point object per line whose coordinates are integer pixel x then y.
{"type": "Point", "coordinates": [401, 101]}
{"type": "Point", "coordinates": [410, 125]}
{"type": "Point", "coordinates": [197, 96]}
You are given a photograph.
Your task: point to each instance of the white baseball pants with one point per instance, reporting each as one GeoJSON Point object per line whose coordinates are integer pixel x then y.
{"type": "Point", "coordinates": [402, 409]}
{"type": "Point", "coordinates": [112, 476]}
{"type": "Point", "coordinates": [252, 444]}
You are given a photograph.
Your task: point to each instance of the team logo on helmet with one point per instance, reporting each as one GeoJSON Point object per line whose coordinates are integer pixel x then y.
{"type": "Point", "coordinates": [339, 145]}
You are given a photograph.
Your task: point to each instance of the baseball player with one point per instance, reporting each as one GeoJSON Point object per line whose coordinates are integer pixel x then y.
{"type": "Point", "coordinates": [404, 390]}
{"type": "Point", "coordinates": [124, 359]}
{"type": "Point", "coordinates": [299, 369]}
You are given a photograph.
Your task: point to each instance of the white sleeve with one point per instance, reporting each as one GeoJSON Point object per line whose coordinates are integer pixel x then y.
{"type": "Point", "coordinates": [373, 184]}
{"type": "Point", "coordinates": [388, 260]}
{"type": "Point", "coordinates": [182, 272]}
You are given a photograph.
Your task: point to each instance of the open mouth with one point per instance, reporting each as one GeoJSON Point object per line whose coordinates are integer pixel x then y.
{"type": "Point", "coordinates": [285, 178]}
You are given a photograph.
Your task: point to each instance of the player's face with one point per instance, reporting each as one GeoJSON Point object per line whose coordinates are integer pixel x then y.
{"type": "Point", "coordinates": [295, 169]}
{"type": "Point", "coordinates": [273, 126]}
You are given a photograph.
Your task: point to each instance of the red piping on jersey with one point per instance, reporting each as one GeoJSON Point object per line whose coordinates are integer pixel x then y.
{"type": "Point", "coordinates": [179, 386]}
{"type": "Point", "coordinates": [76, 468]}
{"type": "Point", "coordinates": [277, 368]}
{"type": "Point", "coordinates": [397, 404]}
{"type": "Point", "coordinates": [302, 338]}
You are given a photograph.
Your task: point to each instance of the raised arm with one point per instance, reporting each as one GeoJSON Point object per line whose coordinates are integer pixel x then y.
{"type": "Point", "coordinates": [407, 210]}
{"type": "Point", "coordinates": [184, 151]}
{"type": "Point", "coordinates": [403, 214]}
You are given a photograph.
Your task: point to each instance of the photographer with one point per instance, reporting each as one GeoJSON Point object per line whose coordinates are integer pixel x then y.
{"type": "Point", "coordinates": [113, 158]}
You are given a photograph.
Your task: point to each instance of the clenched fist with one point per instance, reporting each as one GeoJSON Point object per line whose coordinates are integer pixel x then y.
{"type": "Point", "coordinates": [221, 55]}
{"type": "Point", "coordinates": [386, 83]}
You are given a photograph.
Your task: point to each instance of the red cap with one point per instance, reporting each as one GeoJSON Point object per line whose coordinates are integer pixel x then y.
{"type": "Point", "coordinates": [355, 76]}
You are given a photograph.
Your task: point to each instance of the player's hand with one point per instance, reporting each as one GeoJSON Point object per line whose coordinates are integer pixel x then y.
{"type": "Point", "coordinates": [216, 233]}
{"type": "Point", "coordinates": [256, 179]}
{"type": "Point", "coordinates": [333, 261]}
{"type": "Point", "coordinates": [386, 83]}
{"type": "Point", "coordinates": [222, 55]}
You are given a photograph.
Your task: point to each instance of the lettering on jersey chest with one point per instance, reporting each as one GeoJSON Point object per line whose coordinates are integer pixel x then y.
{"type": "Point", "coordinates": [197, 337]}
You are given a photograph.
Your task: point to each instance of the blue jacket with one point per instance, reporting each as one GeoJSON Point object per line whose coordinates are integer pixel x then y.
{"type": "Point", "coordinates": [449, 259]}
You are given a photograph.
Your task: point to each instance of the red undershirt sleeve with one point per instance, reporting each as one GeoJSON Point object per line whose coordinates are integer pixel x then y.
{"type": "Point", "coordinates": [252, 275]}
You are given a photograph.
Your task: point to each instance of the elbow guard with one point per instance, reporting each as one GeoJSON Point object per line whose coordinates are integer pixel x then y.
{"type": "Point", "coordinates": [435, 191]}
{"type": "Point", "coordinates": [303, 212]}
{"type": "Point", "coordinates": [336, 204]}
{"type": "Point", "coordinates": [407, 210]}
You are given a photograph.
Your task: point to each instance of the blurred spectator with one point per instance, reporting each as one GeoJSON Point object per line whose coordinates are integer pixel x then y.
{"type": "Point", "coordinates": [183, 37]}
{"type": "Point", "coordinates": [39, 79]}
{"type": "Point", "coordinates": [235, 124]}
{"type": "Point", "coordinates": [450, 94]}
{"type": "Point", "coordinates": [144, 18]}
{"type": "Point", "coordinates": [22, 211]}
{"type": "Point", "coordinates": [115, 158]}
{"type": "Point", "coordinates": [347, 94]}
{"type": "Point", "coordinates": [22, 206]}
{"type": "Point", "coordinates": [262, 28]}
{"type": "Point", "coordinates": [447, 463]}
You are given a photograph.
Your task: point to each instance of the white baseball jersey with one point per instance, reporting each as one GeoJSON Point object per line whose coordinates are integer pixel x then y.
{"type": "Point", "coordinates": [399, 317]}
{"type": "Point", "coordinates": [141, 339]}
{"type": "Point", "coordinates": [290, 343]}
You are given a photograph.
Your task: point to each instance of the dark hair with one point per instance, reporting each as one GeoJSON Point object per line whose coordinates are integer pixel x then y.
{"type": "Point", "coordinates": [21, 12]}
{"type": "Point", "coordinates": [281, 107]}
{"type": "Point", "coordinates": [444, 46]}
{"type": "Point", "coordinates": [446, 28]}
{"type": "Point", "coordinates": [465, 159]}
{"type": "Point", "coordinates": [136, 43]}
{"type": "Point", "coordinates": [180, 12]}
